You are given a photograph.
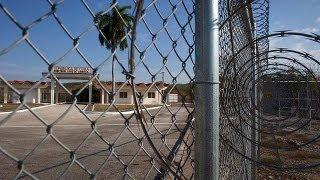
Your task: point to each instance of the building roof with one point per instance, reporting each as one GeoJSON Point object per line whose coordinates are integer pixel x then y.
{"type": "Point", "coordinates": [74, 85]}
{"type": "Point", "coordinates": [25, 84]}
{"type": "Point", "coordinates": [159, 84]}
{"type": "Point", "coordinates": [19, 82]}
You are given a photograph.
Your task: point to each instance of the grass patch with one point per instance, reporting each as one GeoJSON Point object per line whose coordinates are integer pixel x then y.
{"type": "Point", "coordinates": [267, 174]}
{"type": "Point", "coordinates": [12, 106]}
{"type": "Point", "coordinates": [301, 137]}
{"type": "Point", "coordinates": [277, 143]}
{"type": "Point", "coordinates": [302, 155]}
{"type": "Point", "coordinates": [272, 159]}
{"type": "Point", "coordinates": [118, 107]}
{"type": "Point", "coordinates": [269, 158]}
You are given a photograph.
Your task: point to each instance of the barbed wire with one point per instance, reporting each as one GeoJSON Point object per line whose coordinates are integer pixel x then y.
{"type": "Point", "coordinates": [279, 123]}
{"type": "Point", "coordinates": [240, 23]}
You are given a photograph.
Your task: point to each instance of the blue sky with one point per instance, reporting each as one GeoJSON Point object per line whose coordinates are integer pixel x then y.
{"type": "Point", "coordinates": [24, 64]}
{"type": "Point", "coordinates": [296, 15]}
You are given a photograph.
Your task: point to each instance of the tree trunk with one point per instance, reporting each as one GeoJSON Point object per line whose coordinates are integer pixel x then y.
{"type": "Point", "coordinates": [113, 49]}
{"type": "Point", "coordinates": [112, 74]}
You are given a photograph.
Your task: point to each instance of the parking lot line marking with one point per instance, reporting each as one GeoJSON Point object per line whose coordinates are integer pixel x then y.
{"type": "Point", "coordinates": [82, 125]}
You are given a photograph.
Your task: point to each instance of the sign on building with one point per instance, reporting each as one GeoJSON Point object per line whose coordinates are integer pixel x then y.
{"type": "Point", "coordinates": [72, 70]}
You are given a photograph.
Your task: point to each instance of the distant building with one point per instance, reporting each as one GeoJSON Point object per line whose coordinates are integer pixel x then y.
{"type": "Point", "coordinates": [33, 96]}
{"type": "Point", "coordinates": [42, 92]}
{"type": "Point", "coordinates": [99, 92]}
{"type": "Point", "coordinates": [149, 94]}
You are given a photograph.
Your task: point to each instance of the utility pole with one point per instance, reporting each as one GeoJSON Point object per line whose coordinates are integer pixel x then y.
{"type": "Point", "coordinates": [162, 75]}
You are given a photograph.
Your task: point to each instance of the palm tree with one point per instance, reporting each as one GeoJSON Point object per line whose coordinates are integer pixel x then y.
{"type": "Point", "coordinates": [113, 26]}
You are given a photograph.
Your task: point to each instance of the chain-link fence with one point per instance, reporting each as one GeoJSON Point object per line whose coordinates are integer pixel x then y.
{"type": "Point", "coordinates": [269, 97]}
{"type": "Point", "coordinates": [105, 90]}
{"type": "Point", "coordinates": [241, 22]}
{"type": "Point", "coordinates": [129, 129]}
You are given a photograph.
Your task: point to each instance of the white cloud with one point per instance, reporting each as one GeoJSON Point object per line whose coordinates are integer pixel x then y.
{"type": "Point", "coordinates": [300, 46]}
{"type": "Point", "coordinates": [318, 20]}
{"type": "Point", "coordinates": [304, 46]}
{"type": "Point", "coordinates": [278, 25]}
{"type": "Point", "coordinates": [308, 30]}
{"type": "Point", "coordinates": [274, 43]}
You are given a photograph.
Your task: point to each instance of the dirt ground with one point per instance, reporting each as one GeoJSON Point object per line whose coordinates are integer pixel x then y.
{"type": "Point", "coordinates": [114, 147]}
{"type": "Point", "coordinates": [6, 107]}
{"type": "Point", "coordinates": [116, 108]}
{"type": "Point", "coordinates": [74, 148]}
{"type": "Point", "coordinates": [298, 150]}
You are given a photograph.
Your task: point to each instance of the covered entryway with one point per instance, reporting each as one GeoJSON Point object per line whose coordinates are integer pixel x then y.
{"type": "Point", "coordinates": [83, 97]}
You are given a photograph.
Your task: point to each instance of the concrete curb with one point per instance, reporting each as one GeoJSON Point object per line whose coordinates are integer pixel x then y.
{"type": "Point", "coordinates": [25, 110]}
{"type": "Point", "coordinates": [117, 113]}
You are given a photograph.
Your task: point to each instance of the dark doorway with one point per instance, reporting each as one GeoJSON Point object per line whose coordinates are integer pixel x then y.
{"type": "Point", "coordinates": [83, 97]}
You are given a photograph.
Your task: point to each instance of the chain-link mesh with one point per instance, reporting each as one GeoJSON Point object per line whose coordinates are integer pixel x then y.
{"type": "Point", "coordinates": [135, 130]}
{"type": "Point", "coordinates": [150, 40]}
{"type": "Point", "coordinates": [269, 97]}
{"type": "Point", "coordinates": [241, 22]}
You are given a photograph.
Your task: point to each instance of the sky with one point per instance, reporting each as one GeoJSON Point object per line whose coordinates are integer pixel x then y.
{"type": "Point", "coordinates": [299, 16]}
{"type": "Point", "coordinates": [23, 63]}
{"type": "Point", "coordinates": [295, 15]}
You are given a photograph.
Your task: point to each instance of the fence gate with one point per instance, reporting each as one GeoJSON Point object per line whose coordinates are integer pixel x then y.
{"type": "Point", "coordinates": [102, 73]}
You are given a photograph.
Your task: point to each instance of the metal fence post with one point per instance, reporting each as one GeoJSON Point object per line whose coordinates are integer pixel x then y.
{"type": "Point", "coordinates": [254, 120]}
{"type": "Point", "coordinates": [90, 93]}
{"type": "Point", "coordinates": [5, 94]}
{"type": "Point", "coordinates": [52, 89]}
{"type": "Point", "coordinates": [207, 90]}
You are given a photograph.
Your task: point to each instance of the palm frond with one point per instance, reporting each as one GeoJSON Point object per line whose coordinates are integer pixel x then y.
{"type": "Point", "coordinates": [113, 26]}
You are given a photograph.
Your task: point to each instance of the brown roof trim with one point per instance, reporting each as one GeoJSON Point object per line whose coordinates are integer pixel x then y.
{"type": "Point", "coordinates": [159, 84]}
{"type": "Point", "coordinates": [22, 83]}
{"type": "Point", "coordinates": [139, 85]}
{"type": "Point", "coordinates": [26, 83]}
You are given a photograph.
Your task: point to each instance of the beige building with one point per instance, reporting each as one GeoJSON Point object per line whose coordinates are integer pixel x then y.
{"type": "Point", "coordinates": [94, 93]}
{"type": "Point", "coordinates": [149, 94]}
{"type": "Point", "coordinates": [32, 96]}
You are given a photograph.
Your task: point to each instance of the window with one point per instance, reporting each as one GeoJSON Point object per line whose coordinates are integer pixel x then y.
{"type": "Point", "coordinates": [151, 95]}
{"type": "Point", "coordinates": [123, 94]}
{"type": "Point", "coordinates": [1, 94]}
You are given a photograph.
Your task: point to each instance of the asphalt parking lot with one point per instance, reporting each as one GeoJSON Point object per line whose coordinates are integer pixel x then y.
{"type": "Point", "coordinates": [116, 149]}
